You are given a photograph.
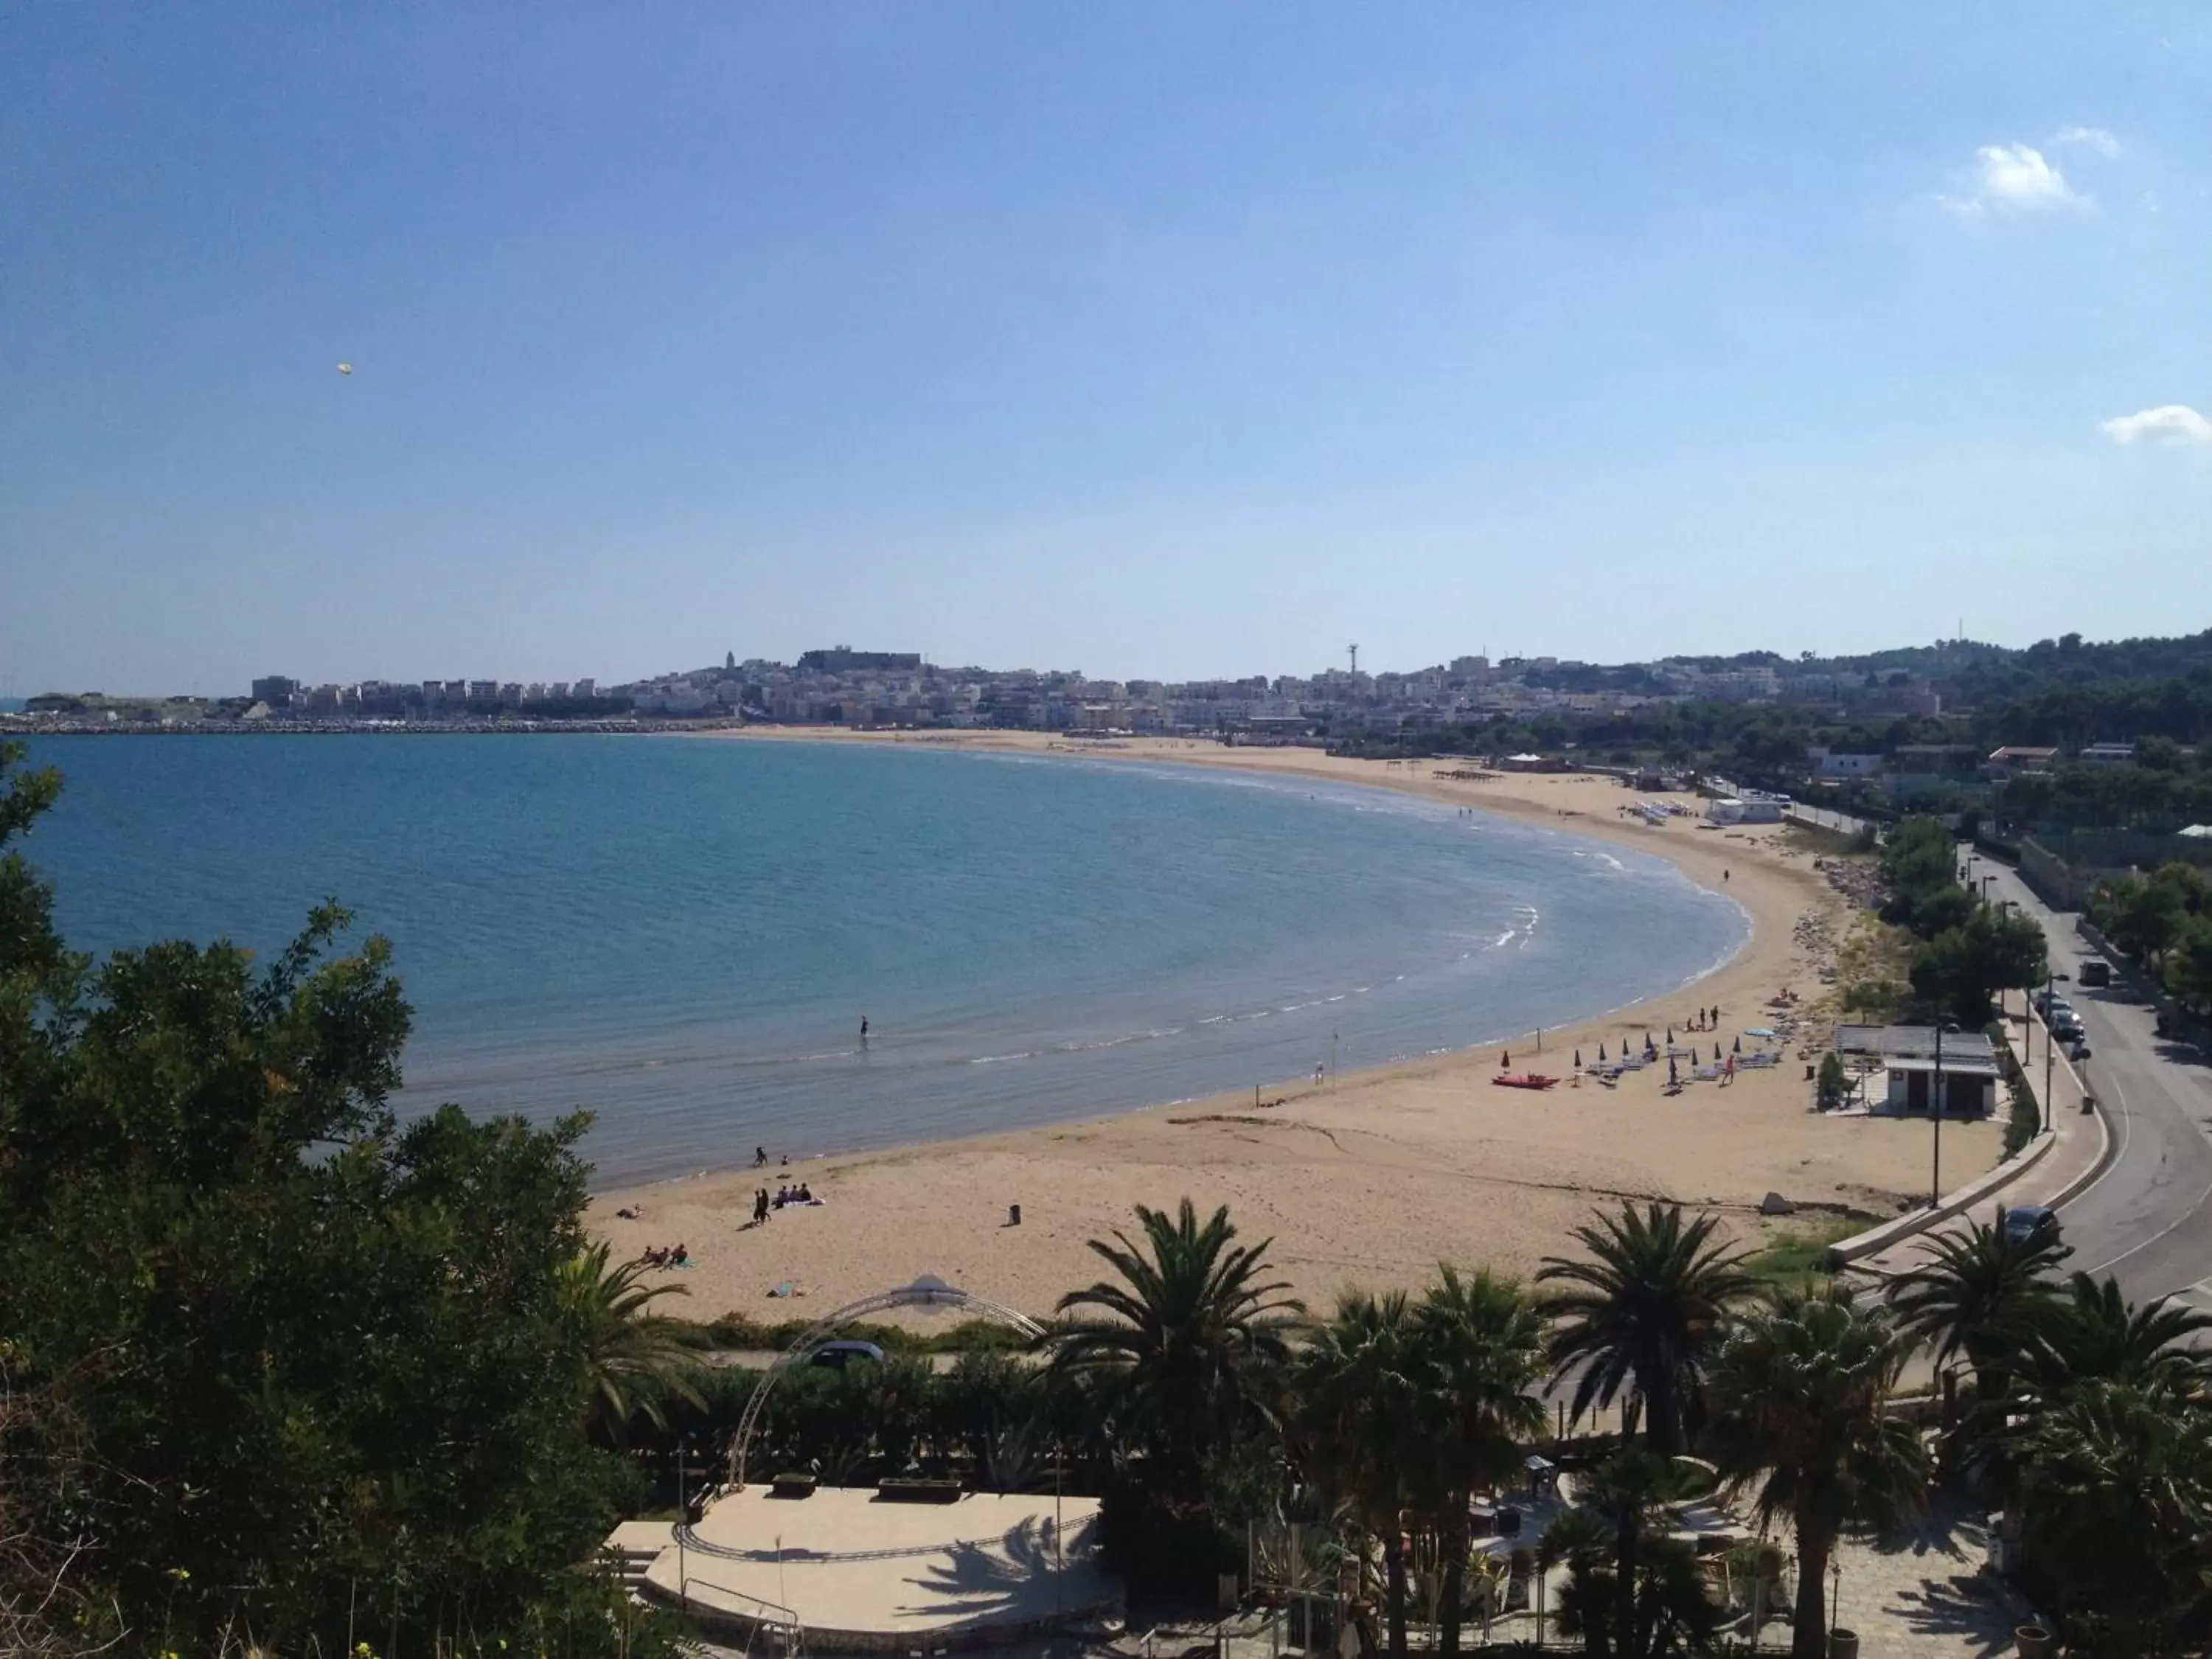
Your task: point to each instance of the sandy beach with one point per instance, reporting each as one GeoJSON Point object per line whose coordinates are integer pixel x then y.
{"type": "Point", "coordinates": [1374, 1177]}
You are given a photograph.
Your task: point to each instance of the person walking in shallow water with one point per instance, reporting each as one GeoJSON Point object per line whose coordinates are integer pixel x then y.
{"type": "Point", "coordinates": [863, 1031]}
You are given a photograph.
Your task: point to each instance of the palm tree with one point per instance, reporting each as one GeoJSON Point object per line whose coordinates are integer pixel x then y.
{"type": "Point", "coordinates": [1475, 1359]}
{"type": "Point", "coordinates": [1633, 1591]}
{"type": "Point", "coordinates": [1646, 1308]}
{"type": "Point", "coordinates": [2095, 1333]}
{"type": "Point", "coordinates": [634, 1361]}
{"type": "Point", "coordinates": [1355, 1420]}
{"type": "Point", "coordinates": [1982, 1294]}
{"type": "Point", "coordinates": [1801, 1392]}
{"type": "Point", "coordinates": [2116, 1484]}
{"type": "Point", "coordinates": [1184, 1339]}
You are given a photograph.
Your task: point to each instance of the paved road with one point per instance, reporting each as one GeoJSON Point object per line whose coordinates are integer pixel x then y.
{"type": "Point", "coordinates": [2149, 1219]}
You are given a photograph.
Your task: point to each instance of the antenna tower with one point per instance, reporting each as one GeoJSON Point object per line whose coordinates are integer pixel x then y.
{"type": "Point", "coordinates": [1355, 660]}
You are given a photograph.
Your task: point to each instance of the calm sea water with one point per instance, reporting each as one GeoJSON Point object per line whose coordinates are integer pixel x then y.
{"type": "Point", "coordinates": [684, 936]}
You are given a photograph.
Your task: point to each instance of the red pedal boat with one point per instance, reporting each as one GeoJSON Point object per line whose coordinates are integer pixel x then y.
{"type": "Point", "coordinates": [1523, 1080]}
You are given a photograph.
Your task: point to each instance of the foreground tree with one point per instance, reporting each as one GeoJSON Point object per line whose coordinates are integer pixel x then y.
{"type": "Point", "coordinates": [320, 1365]}
{"type": "Point", "coordinates": [1800, 1394]}
{"type": "Point", "coordinates": [2094, 1334]}
{"type": "Point", "coordinates": [1475, 1357]}
{"type": "Point", "coordinates": [1633, 1592]}
{"type": "Point", "coordinates": [1355, 1421]}
{"type": "Point", "coordinates": [1184, 1342]}
{"type": "Point", "coordinates": [1983, 1294]}
{"type": "Point", "coordinates": [2117, 1489]}
{"type": "Point", "coordinates": [1644, 1313]}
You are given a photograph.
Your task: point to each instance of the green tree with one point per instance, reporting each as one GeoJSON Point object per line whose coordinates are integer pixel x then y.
{"type": "Point", "coordinates": [2146, 916]}
{"type": "Point", "coordinates": [1801, 1415]}
{"type": "Point", "coordinates": [1181, 1343]}
{"type": "Point", "coordinates": [992, 1405]}
{"type": "Point", "coordinates": [2116, 1517]}
{"type": "Point", "coordinates": [2094, 1333]}
{"type": "Point", "coordinates": [1834, 1082]}
{"type": "Point", "coordinates": [2189, 967]}
{"type": "Point", "coordinates": [1985, 1295]}
{"type": "Point", "coordinates": [1961, 969]}
{"type": "Point", "coordinates": [315, 1358]}
{"type": "Point", "coordinates": [1355, 1420]}
{"type": "Point", "coordinates": [1476, 1356]}
{"type": "Point", "coordinates": [1645, 1308]}
{"type": "Point", "coordinates": [1633, 1592]}
{"type": "Point", "coordinates": [635, 1360]}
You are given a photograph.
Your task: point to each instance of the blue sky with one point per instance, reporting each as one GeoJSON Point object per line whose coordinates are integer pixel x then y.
{"type": "Point", "coordinates": [1161, 340]}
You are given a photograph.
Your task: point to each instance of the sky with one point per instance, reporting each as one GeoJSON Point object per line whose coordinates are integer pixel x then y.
{"type": "Point", "coordinates": [1171, 340]}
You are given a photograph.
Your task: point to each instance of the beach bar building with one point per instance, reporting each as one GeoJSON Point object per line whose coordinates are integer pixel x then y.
{"type": "Point", "coordinates": [1908, 1057]}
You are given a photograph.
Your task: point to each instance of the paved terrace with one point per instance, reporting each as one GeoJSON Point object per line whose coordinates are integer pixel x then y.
{"type": "Point", "coordinates": [864, 1574]}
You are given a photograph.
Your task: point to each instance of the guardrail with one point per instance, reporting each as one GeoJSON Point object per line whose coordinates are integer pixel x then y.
{"type": "Point", "coordinates": [779, 1621]}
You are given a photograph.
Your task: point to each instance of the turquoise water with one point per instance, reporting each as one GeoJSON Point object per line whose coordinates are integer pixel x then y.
{"type": "Point", "coordinates": [684, 935]}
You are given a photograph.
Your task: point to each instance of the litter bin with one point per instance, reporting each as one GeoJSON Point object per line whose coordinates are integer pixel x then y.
{"type": "Point", "coordinates": [2034, 1642]}
{"type": "Point", "coordinates": [1843, 1644]}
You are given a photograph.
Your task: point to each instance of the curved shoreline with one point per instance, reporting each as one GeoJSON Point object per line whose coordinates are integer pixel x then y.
{"type": "Point", "coordinates": [1269, 764]}
{"type": "Point", "coordinates": [1379, 1174]}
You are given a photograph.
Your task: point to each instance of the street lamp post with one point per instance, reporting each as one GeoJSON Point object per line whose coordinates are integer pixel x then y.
{"type": "Point", "coordinates": [2050, 1042]}
{"type": "Point", "coordinates": [1936, 1108]}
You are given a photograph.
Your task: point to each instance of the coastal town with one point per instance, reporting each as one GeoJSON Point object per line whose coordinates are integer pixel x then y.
{"type": "Point", "coordinates": [838, 685]}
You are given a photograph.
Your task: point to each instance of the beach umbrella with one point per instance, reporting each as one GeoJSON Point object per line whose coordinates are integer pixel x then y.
{"type": "Point", "coordinates": [1504, 1059]}
{"type": "Point", "coordinates": [1672, 1076]}
{"type": "Point", "coordinates": [1601, 1054]}
{"type": "Point", "coordinates": [1670, 1034]}
{"type": "Point", "coordinates": [1739, 1048]}
{"type": "Point", "coordinates": [1578, 1060]}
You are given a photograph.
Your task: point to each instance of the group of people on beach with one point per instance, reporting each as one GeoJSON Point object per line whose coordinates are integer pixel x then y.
{"type": "Point", "coordinates": [763, 1206]}
{"type": "Point", "coordinates": [676, 1255]}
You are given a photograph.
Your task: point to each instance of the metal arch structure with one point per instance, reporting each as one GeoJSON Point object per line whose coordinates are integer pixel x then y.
{"type": "Point", "coordinates": [927, 1292]}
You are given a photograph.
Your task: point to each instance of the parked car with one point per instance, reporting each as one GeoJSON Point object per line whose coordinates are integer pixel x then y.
{"type": "Point", "coordinates": [836, 1356]}
{"type": "Point", "coordinates": [2024, 1221]}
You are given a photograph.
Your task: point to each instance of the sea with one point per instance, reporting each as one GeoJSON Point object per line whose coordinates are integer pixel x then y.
{"type": "Point", "coordinates": [685, 935]}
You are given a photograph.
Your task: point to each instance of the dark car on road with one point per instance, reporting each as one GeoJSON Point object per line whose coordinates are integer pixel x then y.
{"type": "Point", "coordinates": [836, 1356]}
{"type": "Point", "coordinates": [2024, 1221]}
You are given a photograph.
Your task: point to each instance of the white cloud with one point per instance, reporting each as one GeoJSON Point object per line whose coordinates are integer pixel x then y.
{"type": "Point", "coordinates": [2019, 175]}
{"type": "Point", "coordinates": [2176, 423]}
{"type": "Point", "coordinates": [2093, 139]}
